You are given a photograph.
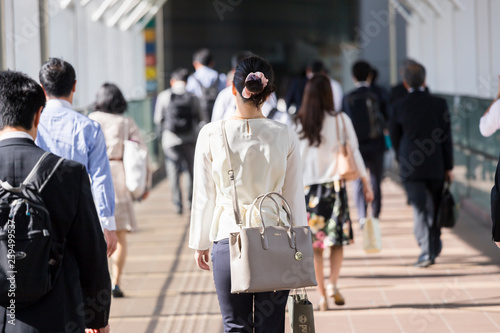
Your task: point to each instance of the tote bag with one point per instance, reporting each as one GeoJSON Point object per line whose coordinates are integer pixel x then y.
{"type": "Point", "coordinates": [135, 164]}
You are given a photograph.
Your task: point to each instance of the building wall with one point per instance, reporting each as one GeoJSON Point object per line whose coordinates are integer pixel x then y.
{"type": "Point", "coordinates": [98, 53]}
{"type": "Point", "coordinates": [459, 48]}
{"type": "Point", "coordinates": [289, 33]}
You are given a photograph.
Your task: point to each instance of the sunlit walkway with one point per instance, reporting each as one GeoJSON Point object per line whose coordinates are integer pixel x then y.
{"type": "Point", "coordinates": [166, 292]}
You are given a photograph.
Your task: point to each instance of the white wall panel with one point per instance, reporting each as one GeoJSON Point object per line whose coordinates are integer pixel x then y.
{"type": "Point", "coordinates": [25, 37]}
{"type": "Point", "coordinates": [444, 74]}
{"type": "Point", "coordinates": [482, 48]}
{"type": "Point", "coordinates": [495, 45]}
{"type": "Point", "coordinates": [464, 32]}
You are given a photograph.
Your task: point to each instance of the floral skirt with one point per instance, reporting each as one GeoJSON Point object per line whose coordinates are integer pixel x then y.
{"type": "Point", "coordinates": [328, 214]}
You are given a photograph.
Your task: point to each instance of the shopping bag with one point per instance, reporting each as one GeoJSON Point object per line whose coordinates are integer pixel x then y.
{"type": "Point", "coordinates": [300, 313]}
{"type": "Point", "coordinates": [372, 238]}
{"type": "Point", "coordinates": [447, 211]}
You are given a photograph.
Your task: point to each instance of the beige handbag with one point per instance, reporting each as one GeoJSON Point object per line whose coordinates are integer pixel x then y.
{"type": "Point", "coordinates": [346, 166]}
{"type": "Point", "coordinates": [268, 258]}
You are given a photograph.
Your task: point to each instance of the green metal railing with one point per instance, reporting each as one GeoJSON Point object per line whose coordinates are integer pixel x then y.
{"type": "Point", "coordinates": [475, 156]}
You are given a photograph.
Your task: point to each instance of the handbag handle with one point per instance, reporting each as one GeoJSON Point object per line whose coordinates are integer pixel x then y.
{"type": "Point", "coordinates": [339, 114]}
{"type": "Point", "coordinates": [236, 207]}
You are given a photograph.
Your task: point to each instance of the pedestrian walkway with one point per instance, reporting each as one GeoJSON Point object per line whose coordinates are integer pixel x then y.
{"type": "Point", "coordinates": [384, 293]}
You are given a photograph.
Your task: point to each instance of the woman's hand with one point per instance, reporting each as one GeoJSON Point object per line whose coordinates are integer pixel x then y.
{"type": "Point", "coordinates": [367, 190]}
{"type": "Point", "coordinates": [368, 193]}
{"type": "Point", "coordinates": [202, 257]}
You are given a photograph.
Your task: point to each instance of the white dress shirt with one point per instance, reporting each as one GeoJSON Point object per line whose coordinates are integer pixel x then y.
{"type": "Point", "coordinates": [319, 164]}
{"type": "Point", "coordinates": [338, 95]}
{"type": "Point", "coordinates": [265, 157]}
{"type": "Point", "coordinates": [15, 135]}
{"type": "Point", "coordinates": [490, 122]}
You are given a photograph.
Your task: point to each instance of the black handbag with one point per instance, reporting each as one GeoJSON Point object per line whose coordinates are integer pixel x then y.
{"type": "Point", "coordinates": [447, 213]}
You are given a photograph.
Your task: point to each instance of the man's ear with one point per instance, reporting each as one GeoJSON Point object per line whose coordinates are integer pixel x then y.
{"type": "Point", "coordinates": [36, 119]}
{"type": "Point", "coordinates": [46, 96]}
{"type": "Point", "coordinates": [74, 87]}
{"type": "Point", "coordinates": [407, 86]}
{"type": "Point", "coordinates": [234, 90]}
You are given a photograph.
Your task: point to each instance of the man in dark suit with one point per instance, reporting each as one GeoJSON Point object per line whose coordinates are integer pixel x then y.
{"type": "Point", "coordinates": [421, 134]}
{"type": "Point", "coordinates": [81, 294]}
{"type": "Point", "coordinates": [369, 116]}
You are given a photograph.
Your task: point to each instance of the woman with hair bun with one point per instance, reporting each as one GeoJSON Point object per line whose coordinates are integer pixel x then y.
{"type": "Point", "coordinates": [326, 198]}
{"type": "Point", "coordinates": [265, 157]}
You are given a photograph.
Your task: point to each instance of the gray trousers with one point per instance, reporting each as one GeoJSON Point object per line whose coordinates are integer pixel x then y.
{"type": "Point", "coordinates": [176, 158]}
{"type": "Point", "coordinates": [424, 196]}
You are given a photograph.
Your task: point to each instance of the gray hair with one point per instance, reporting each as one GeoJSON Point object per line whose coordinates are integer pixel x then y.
{"type": "Point", "coordinates": [414, 75]}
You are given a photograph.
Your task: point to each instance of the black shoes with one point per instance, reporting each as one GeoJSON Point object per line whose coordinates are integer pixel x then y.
{"type": "Point", "coordinates": [117, 292]}
{"type": "Point", "coordinates": [424, 263]}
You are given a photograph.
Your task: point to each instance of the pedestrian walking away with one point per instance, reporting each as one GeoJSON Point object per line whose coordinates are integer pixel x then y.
{"type": "Point", "coordinates": [110, 106]}
{"type": "Point", "coordinates": [255, 144]}
{"type": "Point", "coordinates": [319, 127]}
{"type": "Point", "coordinates": [61, 275]}
{"type": "Point", "coordinates": [178, 117]}
{"type": "Point", "coordinates": [421, 133]}
{"type": "Point", "coordinates": [69, 134]}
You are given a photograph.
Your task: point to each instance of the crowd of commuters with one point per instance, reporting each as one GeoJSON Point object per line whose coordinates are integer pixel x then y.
{"type": "Point", "coordinates": [270, 151]}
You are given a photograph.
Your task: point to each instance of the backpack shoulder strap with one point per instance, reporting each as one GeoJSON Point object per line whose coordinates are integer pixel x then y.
{"type": "Point", "coordinates": [30, 179]}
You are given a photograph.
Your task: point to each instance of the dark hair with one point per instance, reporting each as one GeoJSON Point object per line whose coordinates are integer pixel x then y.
{"type": "Point", "coordinates": [204, 57]}
{"type": "Point", "coordinates": [236, 58]}
{"type": "Point", "coordinates": [251, 65]}
{"type": "Point", "coordinates": [361, 70]}
{"type": "Point", "coordinates": [180, 74]}
{"type": "Point", "coordinates": [317, 100]}
{"type": "Point", "coordinates": [110, 99]}
{"type": "Point", "coordinates": [57, 77]}
{"type": "Point", "coordinates": [20, 99]}
{"type": "Point", "coordinates": [317, 67]}
{"type": "Point", "coordinates": [414, 75]}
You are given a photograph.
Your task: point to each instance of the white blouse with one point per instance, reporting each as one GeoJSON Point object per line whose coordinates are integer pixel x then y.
{"type": "Point", "coordinates": [319, 164]}
{"type": "Point", "coordinates": [265, 157]}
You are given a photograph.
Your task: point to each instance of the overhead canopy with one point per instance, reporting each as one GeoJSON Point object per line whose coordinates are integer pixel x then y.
{"type": "Point", "coordinates": [122, 13]}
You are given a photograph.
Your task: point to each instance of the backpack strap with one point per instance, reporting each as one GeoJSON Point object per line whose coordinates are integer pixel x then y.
{"type": "Point", "coordinates": [6, 186]}
{"type": "Point", "coordinates": [30, 178]}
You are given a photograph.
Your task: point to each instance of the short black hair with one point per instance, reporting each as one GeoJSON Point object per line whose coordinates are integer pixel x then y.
{"type": "Point", "coordinates": [317, 67]}
{"type": "Point", "coordinates": [361, 70]}
{"type": "Point", "coordinates": [180, 74]}
{"type": "Point", "coordinates": [414, 75]}
{"type": "Point", "coordinates": [57, 77]}
{"type": "Point", "coordinates": [110, 99]}
{"type": "Point", "coordinates": [204, 57]}
{"type": "Point", "coordinates": [237, 57]}
{"type": "Point", "coordinates": [20, 99]}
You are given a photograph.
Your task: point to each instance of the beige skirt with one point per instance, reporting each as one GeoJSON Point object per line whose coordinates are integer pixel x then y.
{"type": "Point", "coordinates": [124, 205]}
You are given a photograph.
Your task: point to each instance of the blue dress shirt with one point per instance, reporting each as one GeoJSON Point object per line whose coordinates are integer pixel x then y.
{"type": "Point", "coordinates": [69, 134]}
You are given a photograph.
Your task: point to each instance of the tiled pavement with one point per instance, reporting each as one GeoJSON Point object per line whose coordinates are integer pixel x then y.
{"type": "Point", "coordinates": [166, 292]}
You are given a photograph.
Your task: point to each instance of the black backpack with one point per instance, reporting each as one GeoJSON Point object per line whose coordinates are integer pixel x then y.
{"type": "Point", "coordinates": [30, 256]}
{"type": "Point", "coordinates": [365, 113]}
{"type": "Point", "coordinates": [208, 97]}
{"type": "Point", "coordinates": [179, 115]}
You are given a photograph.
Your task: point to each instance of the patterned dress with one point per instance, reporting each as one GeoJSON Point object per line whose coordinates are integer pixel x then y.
{"type": "Point", "coordinates": [328, 215]}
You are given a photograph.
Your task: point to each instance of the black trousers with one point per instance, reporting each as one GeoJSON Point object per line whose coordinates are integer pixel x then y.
{"type": "Point", "coordinates": [424, 196]}
{"type": "Point", "coordinates": [175, 157]}
{"type": "Point", "coordinates": [375, 164]}
{"type": "Point", "coordinates": [257, 312]}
